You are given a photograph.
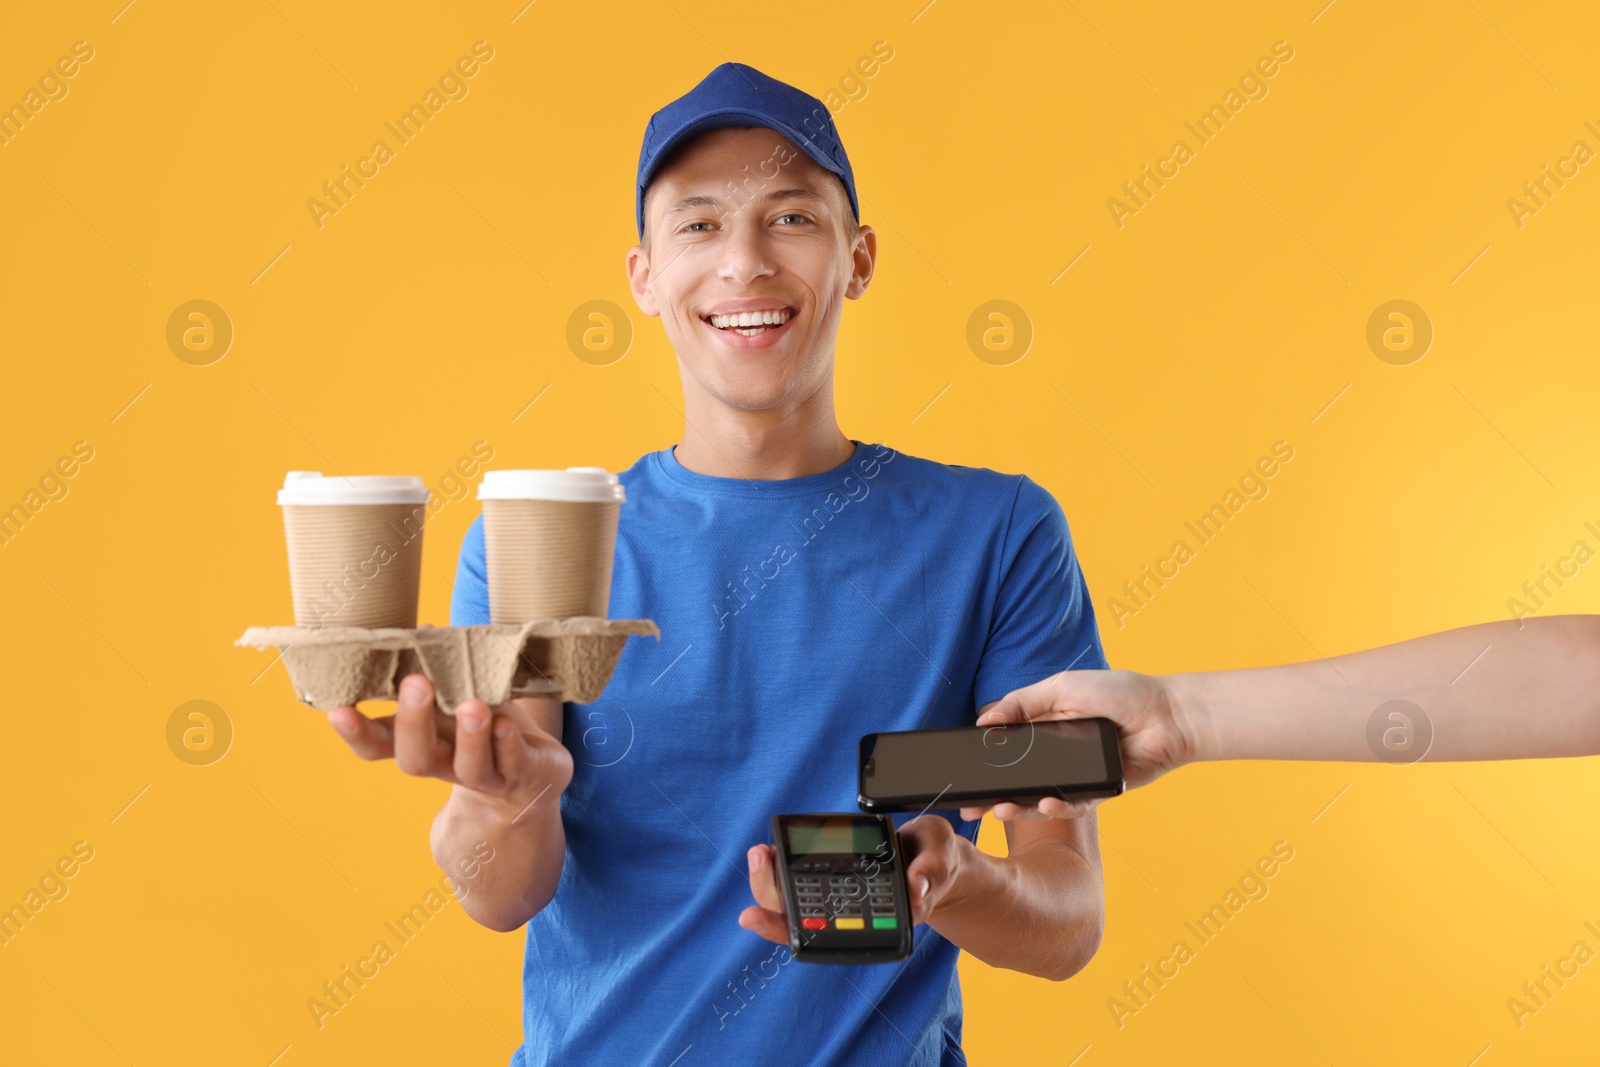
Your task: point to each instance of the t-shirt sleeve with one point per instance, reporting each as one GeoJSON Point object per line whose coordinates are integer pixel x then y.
{"type": "Point", "coordinates": [1043, 621]}
{"type": "Point", "coordinates": [469, 601]}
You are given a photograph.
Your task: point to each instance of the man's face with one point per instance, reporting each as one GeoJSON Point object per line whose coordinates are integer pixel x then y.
{"type": "Point", "coordinates": [742, 221]}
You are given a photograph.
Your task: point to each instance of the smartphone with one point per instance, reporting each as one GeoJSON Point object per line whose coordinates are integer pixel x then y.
{"type": "Point", "coordinates": [914, 770]}
{"type": "Point", "coordinates": [843, 881]}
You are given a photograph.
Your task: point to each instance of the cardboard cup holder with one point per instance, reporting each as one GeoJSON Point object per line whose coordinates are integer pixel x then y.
{"type": "Point", "coordinates": [331, 666]}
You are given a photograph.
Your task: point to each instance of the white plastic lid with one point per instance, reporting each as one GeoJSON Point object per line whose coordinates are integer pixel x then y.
{"type": "Point", "coordinates": [310, 487]}
{"type": "Point", "coordinates": [582, 485]}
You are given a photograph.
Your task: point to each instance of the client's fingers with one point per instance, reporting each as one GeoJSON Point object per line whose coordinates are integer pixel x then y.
{"type": "Point", "coordinates": [1059, 808]}
{"type": "Point", "coordinates": [1019, 813]}
{"type": "Point", "coordinates": [1007, 709]}
{"type": "Point", "coordinates": [1056, 697]}
{"type": "Point", "coordinates": [1046, 808]}
{"type": "Point", "coordinates": [1020, 705]}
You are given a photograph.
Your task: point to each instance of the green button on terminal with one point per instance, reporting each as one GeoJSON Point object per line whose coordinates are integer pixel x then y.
{"type": "Point", "coordinates": [884, 923]}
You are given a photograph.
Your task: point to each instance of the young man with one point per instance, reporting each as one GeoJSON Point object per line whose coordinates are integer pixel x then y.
{"type": "Point", "coordinates": [810, 588]}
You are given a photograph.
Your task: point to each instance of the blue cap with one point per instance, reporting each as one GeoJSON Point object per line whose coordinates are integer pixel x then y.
{"type": "Point", "coordinates": [738, 95]}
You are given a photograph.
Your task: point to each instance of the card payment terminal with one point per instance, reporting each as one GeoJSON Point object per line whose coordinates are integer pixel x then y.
{"type": "Point", "coordinates": [842, 877]}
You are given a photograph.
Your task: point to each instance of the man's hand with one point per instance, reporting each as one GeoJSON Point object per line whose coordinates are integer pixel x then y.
{"type": "Point", "coordinates": [509, 769]}
{"type": "Point", "coordinates": [503, 756]}
{"type": "Point", "coordinates": [934, 857]}
{"type": "Point", "coordinates": [1151, 732]}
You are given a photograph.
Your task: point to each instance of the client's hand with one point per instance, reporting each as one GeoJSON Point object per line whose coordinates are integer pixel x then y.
{"type": "Point", "coordinates": [1150, 736]}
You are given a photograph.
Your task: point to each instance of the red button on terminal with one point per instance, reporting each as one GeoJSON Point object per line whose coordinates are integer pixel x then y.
{"type": "Point", "coordinates": [814, 924]}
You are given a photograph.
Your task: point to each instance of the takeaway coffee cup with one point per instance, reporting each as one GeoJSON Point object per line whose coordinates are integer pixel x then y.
{"type": "Point", "coordinates": [549, 537]}
{"type": "Point", "coordinates": [355, 548]}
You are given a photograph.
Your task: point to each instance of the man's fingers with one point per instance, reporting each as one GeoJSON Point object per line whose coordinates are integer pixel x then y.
{"type": "Point", "coordinates": [763, 882]}
{"type": "Point", "coordinates": [924, 836]}
{"type": "Point", "coordinates": [921, 888]}
{"type": "Point", "coordinates": [416, 743]}
{"type": "Point", "coordinates": [526, 757]}
{"type": "Point", "coordinates": [974, 813]}
{"type": "Point", "coordinates": [766, 917]}
{"type": "Point", "coordinates": [368, 738]}
{"type": "Point", "coordinates": [518, 714]}
{"type": "Point", "coordinates": [924, 839]}
{"type": "Point", "coordinates": [475, 752]}
{"type": "Point", "coordinates": [769, 924]}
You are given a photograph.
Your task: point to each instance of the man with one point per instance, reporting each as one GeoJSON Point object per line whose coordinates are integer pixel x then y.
{"type": "Point", "coordinates": [809, 588]}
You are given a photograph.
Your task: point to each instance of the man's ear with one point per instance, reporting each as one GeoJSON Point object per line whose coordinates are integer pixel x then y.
{"type": "Point", "coordinates": [639, 274]}
{"type": "Point", "coordinates": [864, 258]}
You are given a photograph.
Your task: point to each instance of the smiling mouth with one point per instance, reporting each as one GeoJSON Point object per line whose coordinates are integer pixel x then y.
{"type": "Point", "coordinates": [751, 323]}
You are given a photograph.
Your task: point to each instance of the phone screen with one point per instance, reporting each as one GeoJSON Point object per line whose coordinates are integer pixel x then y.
{"type": "Point", "coordinates": [995, 760]}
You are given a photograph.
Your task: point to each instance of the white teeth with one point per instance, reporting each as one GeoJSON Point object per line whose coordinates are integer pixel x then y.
{"type": "Point", "coordinates": [751, 318]}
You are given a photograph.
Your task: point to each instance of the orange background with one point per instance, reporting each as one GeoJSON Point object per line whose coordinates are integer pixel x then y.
{"type": "Point", "coordinates": [1228, 313]}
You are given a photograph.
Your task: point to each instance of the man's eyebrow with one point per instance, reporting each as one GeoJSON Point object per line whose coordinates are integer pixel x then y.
{"type": "Point", "coordinates": [690, 203]}
{"type": "Point", "coordinates": [796, 194]}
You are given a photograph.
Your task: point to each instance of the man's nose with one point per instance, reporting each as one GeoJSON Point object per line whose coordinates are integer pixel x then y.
{"type": "Point", "coordinates": [746, 252]}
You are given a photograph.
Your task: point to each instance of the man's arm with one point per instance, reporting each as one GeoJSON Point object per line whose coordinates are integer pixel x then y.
{"type": "Point", "coordinates": [508, 768]}
{"type": "Point", "coordinates": [1040, 909]}
{"type": "Point", "coordinates": [502, 822]}
{"type": "Point", "coordinates": [525, 832]}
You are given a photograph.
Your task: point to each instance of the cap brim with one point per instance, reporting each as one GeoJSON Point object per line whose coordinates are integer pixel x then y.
{"type": "Point", "coordinates": [717, 120]}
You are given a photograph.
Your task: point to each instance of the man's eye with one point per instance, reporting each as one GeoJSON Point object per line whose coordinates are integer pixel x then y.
{"type": "Point", "coordinates": [802, 218]}
{"type": "Point", "coordinates": [691, 227]}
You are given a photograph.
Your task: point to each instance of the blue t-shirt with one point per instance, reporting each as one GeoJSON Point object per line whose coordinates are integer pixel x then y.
{"type": "Point", "coordinates": [890, 593]}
